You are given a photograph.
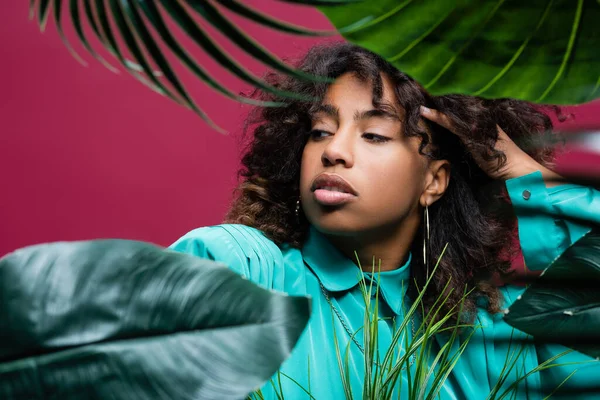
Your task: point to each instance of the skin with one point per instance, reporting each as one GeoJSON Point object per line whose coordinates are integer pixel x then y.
{"type": "Point", "coordinates": [393, 181]}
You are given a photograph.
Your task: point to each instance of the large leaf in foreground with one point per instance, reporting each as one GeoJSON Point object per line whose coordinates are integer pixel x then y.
{"type": "Point", "coordinates": [546, 51]}
{"type": "Point", "coordinates": [563, 305]}
{"type": "Point", "coordinates": [129, 320]}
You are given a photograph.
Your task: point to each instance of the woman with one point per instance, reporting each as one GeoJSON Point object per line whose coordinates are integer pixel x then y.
{"type": "Point", "coordinates": [378, 169]}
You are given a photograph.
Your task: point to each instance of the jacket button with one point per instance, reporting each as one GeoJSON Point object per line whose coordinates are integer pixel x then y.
{"type": "Point", "coordinates": [526, 194]}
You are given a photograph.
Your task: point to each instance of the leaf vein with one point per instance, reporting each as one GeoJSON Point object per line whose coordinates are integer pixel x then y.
{"type": "Point", "coordinates": [518, 53]}
{"type": "Point", "coordinates": [568, 51]}
{"type": "Point", "coordinates": [459, 52]}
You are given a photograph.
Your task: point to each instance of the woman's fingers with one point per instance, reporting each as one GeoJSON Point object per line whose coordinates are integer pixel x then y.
{"type": "Point", "coordinates": [443, 120]}
{"type": "Point", "coordinates": [518, 163]}
{"type": "Point", "coordinates": [437, 117]}
{"type": "Point", "coordinates": [502, 135]}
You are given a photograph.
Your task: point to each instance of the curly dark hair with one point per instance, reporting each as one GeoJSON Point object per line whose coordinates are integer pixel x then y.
{"type": "Point", "coordinates": [473, 218]}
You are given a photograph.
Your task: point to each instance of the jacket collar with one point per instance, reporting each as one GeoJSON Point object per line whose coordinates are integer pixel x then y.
{"type": "Point", "coordinates": [338, 273]}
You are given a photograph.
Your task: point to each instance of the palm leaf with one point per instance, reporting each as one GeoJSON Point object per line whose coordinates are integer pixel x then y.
{"type": "Point", "coordinates": [123, 319]}
{"type": "Point", "coordinates": [75, 12]}
{"type": "Point", "coordinates": [563, 305]}
{"type": "Point", "coordinates": [149, 65]}
{"type": "Point", "coordinates": [270, 22]}
{"type": "Point", "coordinates": [545, 51]}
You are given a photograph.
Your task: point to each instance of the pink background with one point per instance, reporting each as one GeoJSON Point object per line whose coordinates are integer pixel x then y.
{"type": "Point", "coordinates": [85, 153]}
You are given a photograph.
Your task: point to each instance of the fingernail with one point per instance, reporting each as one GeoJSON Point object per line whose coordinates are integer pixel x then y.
{"type": "Point", "coordinates": [425, 110]}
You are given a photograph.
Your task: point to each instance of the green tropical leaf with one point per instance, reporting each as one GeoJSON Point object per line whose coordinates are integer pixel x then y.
{"type": "Point", "coordinates": [545, 51]}
{"type": "Point", "coordinates": [123, 319]}
{"type": "Point", "coordinates": [116, 21]}
{"type": "Point", "coordinates": [563, 305]}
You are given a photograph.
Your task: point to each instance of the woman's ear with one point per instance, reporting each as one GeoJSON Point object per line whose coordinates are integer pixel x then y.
{"type": "Point", "coordinates": [436, 182]}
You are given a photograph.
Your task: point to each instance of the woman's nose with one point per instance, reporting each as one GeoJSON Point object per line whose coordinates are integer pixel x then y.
{"type": "Point", "coordinates": [339, 151]}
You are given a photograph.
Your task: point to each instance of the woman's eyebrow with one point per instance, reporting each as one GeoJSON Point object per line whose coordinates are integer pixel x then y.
{"type": "Point", "coordinates": [333, 112]}
{"type": "Point", "coordinates": [376, 113]}
{"type": "Point", "coordinates": [326, 109]}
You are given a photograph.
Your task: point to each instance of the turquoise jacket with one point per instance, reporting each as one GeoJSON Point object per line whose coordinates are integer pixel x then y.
{"type": "Point", "coordinates": [543, 238]}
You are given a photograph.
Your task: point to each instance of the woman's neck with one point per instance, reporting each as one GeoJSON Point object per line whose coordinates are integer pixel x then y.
{"type": "Point", "coordinates": [385, 250]}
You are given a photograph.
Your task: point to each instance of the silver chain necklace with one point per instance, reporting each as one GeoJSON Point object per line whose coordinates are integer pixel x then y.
{"type": "Point", "coordinates": [353, 336]}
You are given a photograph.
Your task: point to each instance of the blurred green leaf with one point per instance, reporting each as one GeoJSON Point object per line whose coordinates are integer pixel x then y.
{"type": "Point", "coordinates": [122, 320]}
{"type": "Point", "coordinates": [563, 305]}
{"type": "Point", "coordinates": [545, 51]}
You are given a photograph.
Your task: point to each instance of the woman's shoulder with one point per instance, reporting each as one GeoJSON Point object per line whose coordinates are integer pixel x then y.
{"type": "Point", "coordinates": [244, 249]}
{"type": "Point", "coordinates": [230, 236]}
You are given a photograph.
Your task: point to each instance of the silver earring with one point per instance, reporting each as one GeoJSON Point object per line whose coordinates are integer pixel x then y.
{"type": "Point", "coordinates": [426, 239]}
{"type": "Point", "coordinates": [298, 210]}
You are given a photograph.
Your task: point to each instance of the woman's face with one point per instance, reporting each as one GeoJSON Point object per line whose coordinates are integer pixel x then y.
{"type": "Point", "coordinates": [359, 173]}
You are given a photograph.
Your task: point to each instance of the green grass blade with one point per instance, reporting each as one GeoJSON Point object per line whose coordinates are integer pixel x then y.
{"type": "Point", "coordinates": [449, 365]}
{"type": "Point", "coordinates": [412, 310]}
{"type": "Point", "coordinates": [343, 371]}
{"type": "Point", "coordinates": [543, 366]}
{"type": "Point", "coordinates": [444, 353]}
{"type": "Point", "coordinates": [276, 390]}
{"type": "Point", "coordinates": [506, 367]}
{"type": "Point", "coordinates": [307, 391]}
{"type": "Point", "coordinates": [282, 397]}
{"type": "Point", "coordinates": [257, 394]}
{"type": "Point", "coordinates": [560, 385]}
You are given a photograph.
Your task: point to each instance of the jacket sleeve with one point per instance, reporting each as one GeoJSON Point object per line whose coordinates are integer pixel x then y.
{"type": "Point", "coordinates": [243, 249]}
{"type": "Point", "coordinates": [551, 219]}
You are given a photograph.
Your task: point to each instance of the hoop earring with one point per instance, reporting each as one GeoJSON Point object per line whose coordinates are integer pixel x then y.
{"type": "Point", "coordinates": [426, 239]}
{"type": "Point", "coordinates": [297, 212]}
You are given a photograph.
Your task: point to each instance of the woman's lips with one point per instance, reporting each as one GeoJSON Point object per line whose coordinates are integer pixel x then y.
{"type": "Point", "coordinates": [332, 190]}
{"type": "Point", "coordinates": [332, 198]}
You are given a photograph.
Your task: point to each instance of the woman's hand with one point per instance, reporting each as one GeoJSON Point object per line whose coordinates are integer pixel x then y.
{"type": "Point", "coordinates": [518, 163]}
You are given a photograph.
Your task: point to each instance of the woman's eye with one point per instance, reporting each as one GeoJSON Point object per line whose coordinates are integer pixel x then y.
{"type": "Point", "coordinates": [318, 134]}
{"type": "Point", "coordinates": [372, 137]}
